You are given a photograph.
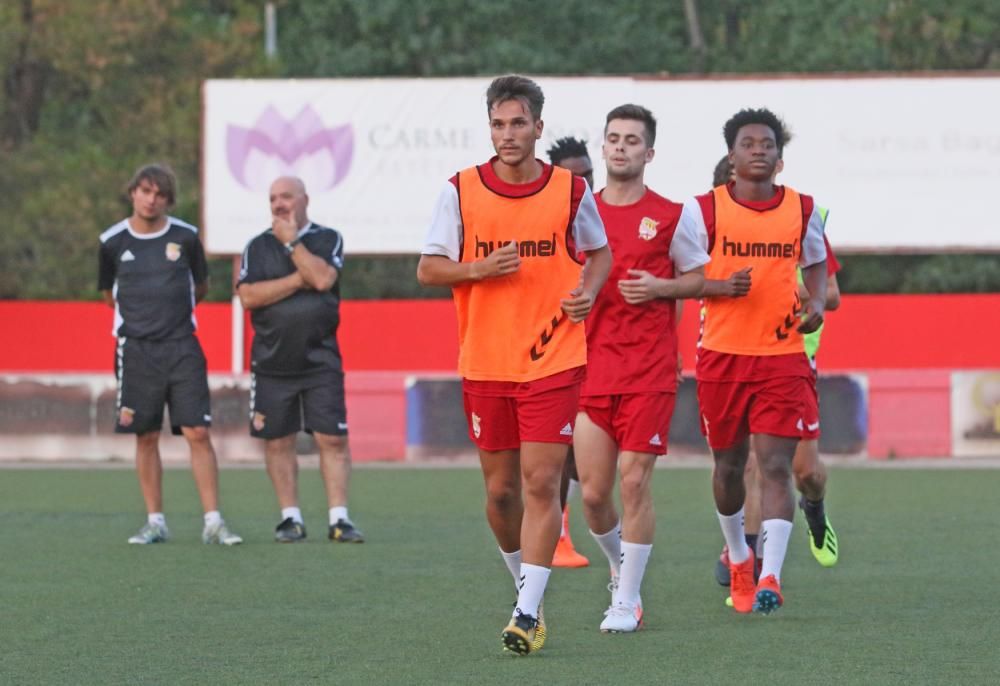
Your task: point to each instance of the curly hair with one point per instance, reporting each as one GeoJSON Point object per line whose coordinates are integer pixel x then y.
{"type": "Point", "coordinates": [567, 147]}
{"type": "Point", "coordinates": [751, 116]}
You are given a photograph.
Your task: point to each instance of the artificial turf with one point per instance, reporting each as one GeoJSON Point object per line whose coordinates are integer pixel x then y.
{"type": "Point", "coordinates": [424, 600]}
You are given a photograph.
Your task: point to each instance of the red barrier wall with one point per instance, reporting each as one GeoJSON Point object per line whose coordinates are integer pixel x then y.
{"type": "Point", "coordinates": [867, 332]}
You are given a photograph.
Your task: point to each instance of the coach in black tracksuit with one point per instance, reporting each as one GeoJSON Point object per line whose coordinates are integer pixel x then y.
{"type": "Point", "coordinates": [289, 281]}
{"type": "Point", "coordinates": [152, 271]}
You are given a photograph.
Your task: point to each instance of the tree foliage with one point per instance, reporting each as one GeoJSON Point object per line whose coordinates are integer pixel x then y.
{"type": "Point", "coordinates": [93, 88]}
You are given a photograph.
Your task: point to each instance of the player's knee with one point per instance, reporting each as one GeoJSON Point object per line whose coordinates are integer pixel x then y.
{"type": "Point", "coordinates": [334, 445]}
{"type": "Point", "coordinates": [150, 439]}
{"type": "Point", "coordinates": [196, 434]}
{"type": "Point", "coordinates": [541, 489]}
{"type": "Point", "coordinates": [594, 496]}
{"type": "Point", "coordinates": [809, 480]}
{"type": "Point", "coordinates": [774, 467]}
{"type": "Point", "coordinates": [502, 494]}
{"type": "Point", "coordinates": [634, 487]}
{"type": "Point", "coordinates": [728, 472]}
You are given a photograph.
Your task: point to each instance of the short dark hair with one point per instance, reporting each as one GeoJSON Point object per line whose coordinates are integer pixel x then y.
{"type": "Point", "coordinates": [636, 113]}
{"type": "Point", "coordinates": [515, 87]}
{"type": "Point", "coordinates": [723, 172]}
{"type": "Point", "coordinates": [567, 147]}
{"type": "Point", "coordinates": [751, 116]}
{"type": "Point", "coordinates": [158, 174]}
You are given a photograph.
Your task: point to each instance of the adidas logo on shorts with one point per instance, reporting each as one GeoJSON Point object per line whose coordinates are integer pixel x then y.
{"type": "Point", "coordinates": [566, 430]}
{"type": "Point", "coordinates": [655, 440]}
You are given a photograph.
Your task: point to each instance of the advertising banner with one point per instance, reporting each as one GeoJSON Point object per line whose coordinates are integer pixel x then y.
{"type": "Point", "coordinates": [890, 157]}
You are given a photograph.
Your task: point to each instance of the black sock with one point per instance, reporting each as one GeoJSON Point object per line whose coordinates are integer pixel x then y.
{"type": "Point", "coordinates": [751, 542]}
{"type": "Point", "coordinates": [816, 518]}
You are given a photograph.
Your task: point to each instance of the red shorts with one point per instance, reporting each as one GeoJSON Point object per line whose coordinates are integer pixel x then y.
{"type": "Point", "coordinates": [732, 410]}
{"type": "Point", "coordinates": [638, 422]}
{"type": "Point", "coordinates": [503, 422]}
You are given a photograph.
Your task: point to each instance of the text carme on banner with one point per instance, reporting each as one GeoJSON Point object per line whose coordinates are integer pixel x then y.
{"type": "Point", "coordinates": [888, 156]}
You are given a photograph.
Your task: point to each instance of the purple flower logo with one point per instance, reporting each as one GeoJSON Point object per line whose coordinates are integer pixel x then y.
{"type": "Point", "coordinates": [301, 147]}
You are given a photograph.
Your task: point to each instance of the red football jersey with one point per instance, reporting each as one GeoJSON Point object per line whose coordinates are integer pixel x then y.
{"type": "Point", "coordinates": [633, 348]}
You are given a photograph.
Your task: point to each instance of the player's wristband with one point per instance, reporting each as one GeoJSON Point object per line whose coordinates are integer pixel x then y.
{"type": "Point", "coordinates": [290, 246]}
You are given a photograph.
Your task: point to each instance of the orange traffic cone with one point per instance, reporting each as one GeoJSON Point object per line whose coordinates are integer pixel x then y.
{"type": "Point", "coordinates": [566, 555]}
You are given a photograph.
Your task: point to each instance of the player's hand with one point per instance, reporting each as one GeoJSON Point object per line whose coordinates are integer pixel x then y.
{"type": "Point", "coordinates": [284, 228]}
{"type": "Point", "coordinates": [738, 284]}
{"type": "Point", "coordinates": [578, 305]}
{"type": "Point", "coordinates": [812, 318]}
{"type": "Point", "coordinates": [500, 262]}
{"type": "Point", "coordinates": [642, 287]}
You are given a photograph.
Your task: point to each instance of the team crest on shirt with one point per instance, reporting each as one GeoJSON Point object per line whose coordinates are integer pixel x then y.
{"type": "Point", "coordinates": [125, 416]}
{"type": "Point", "coordinates": [476, 428]}
{"type": "Point", "coordinates": [173, 251]}
{"type": "Point", "coordinates": [258, 421]}
{"type": "Point", "coordinates": [647, 229]}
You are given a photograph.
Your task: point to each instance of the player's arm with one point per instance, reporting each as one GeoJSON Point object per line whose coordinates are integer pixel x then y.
{"type": "Point", "coordinates": [832, 292]}
{"type": "Point", "coordinates": [255, 292]}
{"type": "Point", "coordinates": [595, 272]}
{"type": "Point", "coordinates": [814, 278]}
{"type": "Point", "coordinates": [814, 273]}
{"type": "Point", "coordinates": [440, 263]}
{"type": "Point", "coordinates": [592, 240]}
{"type": "Point", "coordinates": [199, 270]}
{"type": "Point", "coordinates": [259, 294]}
{"type": "Point", "coordinates": [736, 286]}
{"type": "Point", "coordinates": [439, 270]}
{"type": "Point", "coordinates": [200, 291]}
{"type": "Point", "coordinates": [106, 274]}
{"type": "Point", "coordinates": [316, 273]}
{"type": "Point", "coordinates": [643, 286]}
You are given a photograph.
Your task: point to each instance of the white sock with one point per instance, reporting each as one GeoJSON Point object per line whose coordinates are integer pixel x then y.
{"type": "Point", "coordinates": [338, 513]}
{"type": "Point", "coordinates": [574, 488]}
{"type": "Point", "coordinates": [293, 512]}
{"type": "Point", "coordinates": [157, 518]}
{"type": "Point", "coordinates": [611, 544]}
{"type": "Point", "coordinates": [774, 535]}
{"type": "Point", "coordinates": [513, 562]}
{"type": "Point", "coordinates": [213, 518]}
{"type": "Point", "coordinates": [533, 581]}
{"type": "Point", "coordinates": [634, 559]}
{"type": "Point", "coordinates": [732, 530]}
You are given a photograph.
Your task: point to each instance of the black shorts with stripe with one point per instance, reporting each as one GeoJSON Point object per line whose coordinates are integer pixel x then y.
{"type": "Point", "coordinates": [152, 374]}
{"type": "Point", "coordinates": [284, 405]}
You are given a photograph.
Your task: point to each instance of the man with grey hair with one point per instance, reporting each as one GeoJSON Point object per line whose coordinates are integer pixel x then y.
{"type": "Point", "coordinates": [290, 282]}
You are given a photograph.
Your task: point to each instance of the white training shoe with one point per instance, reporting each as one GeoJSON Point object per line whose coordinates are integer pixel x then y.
{"type": "Point", "coordinates": [219, 533]}
{"type": "Point", "coordinates": [622, 619]}
{"type": "Point", "coordinates": [150, 533]}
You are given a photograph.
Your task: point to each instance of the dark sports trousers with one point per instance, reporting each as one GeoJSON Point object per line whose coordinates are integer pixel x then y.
{"type": "Point", "coordinates": [152, 374]}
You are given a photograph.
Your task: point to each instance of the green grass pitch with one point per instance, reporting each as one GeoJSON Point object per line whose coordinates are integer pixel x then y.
{"type": "Point", "coordinates": [424, 600]}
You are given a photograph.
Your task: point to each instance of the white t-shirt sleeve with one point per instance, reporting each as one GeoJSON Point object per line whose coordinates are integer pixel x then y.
{"type": "Point", "coordinates": [813, 246]}
{"type": "Point", "coordinates": [689, 247]}
{"type": "Point", "coordinates": [444, 236]}
{"type": "Point", "coordinates": [588, 228]}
